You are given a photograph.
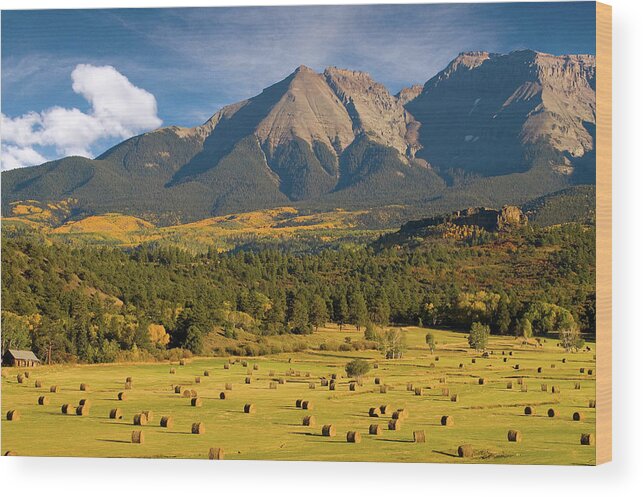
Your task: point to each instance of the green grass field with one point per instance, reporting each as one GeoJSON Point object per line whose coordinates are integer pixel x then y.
{"type": "Point", "coordinates": [483, 413]}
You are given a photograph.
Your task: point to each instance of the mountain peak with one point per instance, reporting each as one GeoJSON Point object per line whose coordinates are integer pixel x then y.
{"type": "Point", "coordinates": [303, 69]}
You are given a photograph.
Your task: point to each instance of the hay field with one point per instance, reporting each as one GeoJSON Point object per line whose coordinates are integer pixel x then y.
{"type": "Point", "coordinates": [482, 415]}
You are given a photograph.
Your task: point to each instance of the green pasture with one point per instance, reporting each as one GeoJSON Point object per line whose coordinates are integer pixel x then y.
{"type": "Point", "coordinates": [483, 413]}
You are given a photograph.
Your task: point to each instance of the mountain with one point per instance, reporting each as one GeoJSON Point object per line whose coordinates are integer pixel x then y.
{"type": "Point", "coordinates": [485, 113]}
{"type": "Point", "coordinates": [487, 130]}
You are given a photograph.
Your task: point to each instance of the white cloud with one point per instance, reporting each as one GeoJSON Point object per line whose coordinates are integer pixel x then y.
{"type": "Point", "coordinates": [118, 110]}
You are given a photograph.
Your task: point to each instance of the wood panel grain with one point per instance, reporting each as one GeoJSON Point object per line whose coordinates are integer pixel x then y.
{"type": "Point", "coordinates": [603, 233]}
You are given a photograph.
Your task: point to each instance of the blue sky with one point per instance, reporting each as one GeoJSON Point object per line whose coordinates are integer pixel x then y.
{"type": "Point", "coordinates": [193, 61]}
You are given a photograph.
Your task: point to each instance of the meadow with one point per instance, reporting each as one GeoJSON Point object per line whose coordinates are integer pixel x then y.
{"type": "Point", "coordinates": [482, 415]}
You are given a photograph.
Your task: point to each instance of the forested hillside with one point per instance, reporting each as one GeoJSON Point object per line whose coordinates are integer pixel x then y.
{"type": "Point", "coordinates": [96, 304]}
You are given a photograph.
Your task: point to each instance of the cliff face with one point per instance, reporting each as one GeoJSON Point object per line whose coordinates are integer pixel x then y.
{"type": "Point", "coordinates": [491, 220]}
{"type": "Point", "coordinates": [374, 110]}
{"type": "Point", "coordinates": [482, 103]}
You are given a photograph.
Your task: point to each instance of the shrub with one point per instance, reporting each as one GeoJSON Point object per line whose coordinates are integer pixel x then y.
{"type": "Point", "coordinates": [357, 368]}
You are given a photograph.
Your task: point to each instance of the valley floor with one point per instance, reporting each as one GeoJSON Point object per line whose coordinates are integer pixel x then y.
{"type": "Point", "coordinates": [482, 415]}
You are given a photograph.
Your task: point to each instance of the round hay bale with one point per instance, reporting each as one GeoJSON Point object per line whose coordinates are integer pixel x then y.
{"type": "Point", "coordinates": [244, 364]}
{"type": "Point", "coordinates": [228, 386]}
{"type": "Point", "coordinates": [517, 366]}
{"type": "Point", "coordinates": [454, 398]}
{"type": "Point", "coordinates": [216, 454]}
{"type": "Point", "coordinates": [196, 402]}
{"type": "Point", "coordinates": [529, 411]}
{"type": "Point", "coordinates": [223, 395]}
{"type": "Point", "coordinates": [193, 393]}
{"type": "Point", "coordinates": [298, 402]}
{"type": "Point", "coordinates": [374, 430]}
{"type": "Point", "coordinates": [85, 402]}
{"type": "Point", "coordinates": [552, 413]}
{"type": "Point", "coordinates": [282, 381]}
{"type": "Point", "coordinates": [13, 415]}
{"type": "Point", "coordinates": [138, 437]}
{"type": "Point", "coordinates": [197, 379]}
{"type": "Point", "coordinates": [592, 404]}
{"type": "Point", "coordinates": [167, 422]}
{"type": "Point", "coordinates": [400, 414]}
{"type": "Point", "coordinates": [324, 382]}
{"type": "Point", "coordinates": [182, 362]}
{"type": "Point", "coordinates": [352, 386]}
{"type": "Point", "coordinates": [395, 424]}
{"type": "Point", "coordinates": [419, 391]}
{"type": "Point", "coordinates": [511, 352]}
{"type": "Point", "coordinates": [21, 378]}
{"type": "Point", "coordinates": [590, 372]}
{"type": "Point", "coordinates": [309, 421]}
{"type": "Point", "coordinates": [226, 366]}
{"type": "Point", "coordinates": [514, 436]}
{"type": "Point", "coordinates": [520, 381]}
{"type": "Point", "coordinates": [419, 436]}
{"type": "Point", "coordinates": [582, 370]}
{"type": "Point", "coordinates": [249, 408]}
{"type": "Point", "coordinates": [374, 412]}
{"type": "Point", "coordinates": [446, 392]}
{"type": "Point", "coordinates": [271, 372]}
{"type": "Point", "coordinates": [10, 453]}
{"type": "Point", "coordinates": [68, 409]}
{"type": "Point", "coordinates": [43, 400]}
{"type": "Point", "coordinates": [553, 366]}
{"type": "Point", "coordinates": [332, 386]}
{"type": "Point", "coordinates": [149, 415]}
{"type": "Point", "coordinates": [465, 450]}
{"type": "Point", "coordinates": [524, 387]}
{"type": "Point", "coordinates": [248, 380]}
{"type": "Point", "coordinates": [409, 387]}
{"type": "Point", "coordinates": [172, 371]}
{"type": "Point", "coordinates": [26, 374]}
{"type": "Point", "coordinates": [555, 389]}
{"type": "Point", "coordinates": [482, 381]}
{"type": "Point", "coordinates": [206, 373]}
{"type": "Point", "coordinates": [587, 439]}
{"type": "Point", "coordinates": [376, 366]}
{"type": "Point", "coordinates": [378, 381]}
{"type": "Point", "coordinates": [383, 388]}
{"type": "Point", "coordinates": [140, 419]}
{"type": "Point", "coordinates": [473, 361]}
{"type": "Point", "coordinates": [543, 387]}
{"type": "Point", "coordinates": [510, 385]}
{"type": "Point", "coordinates": [187, 394]}
{"type": "Point", "coordinates": [198, 428]}
{"type": "Point", "coordinates": [128, 385]}
{"type": "Point", "coordinates": [255, 367]}
{"type": "Point", "coordinates": [122, 395]}
{"type": "Point", "coordinates": [447, 421]}
{"type": "Point", "coordinates": [540, 369]}
{"type": "Point", "coordinates": [578, 416]}
{"type": "Point", "coordinates": [504, 359]}
{"type": "Point", "coordinates": [577, 386]}
{"type": "Point", "coordinates": [307, 405]}
{"type": "Point", "coordinates": [37, 384]}
{"type": "Point", "coordinates": [461, 366]}
{"type": "Point", "coordinates": [353, 437]}
{"type": "Point", "coordinates": [82, 411]}
{"type": "Point", "coordinates": [386, 409]}
{"type": "Point", "coordinates": [329, 430]}
{"type": "Point", "coordinates": [312, 386]}
{"type": "Point", "coordinates": [129, 379]}
{"type": "Point", "coordinates": [178, 389]}
{"type": "Point", "coordinates": [116, 414]}
{"type": "Point", "coordinates": [54, 389]}
{"type": "Point", "coordinates": [272, 385]}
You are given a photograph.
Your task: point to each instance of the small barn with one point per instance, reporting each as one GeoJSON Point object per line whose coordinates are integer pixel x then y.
{"type": "Point", "coordinates": [20, 358]}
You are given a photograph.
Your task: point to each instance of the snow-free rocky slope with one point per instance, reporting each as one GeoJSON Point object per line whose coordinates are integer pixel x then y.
{"type": "Point", "coordinates": [487, 130]}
